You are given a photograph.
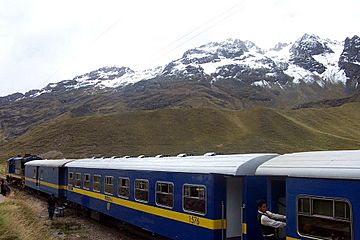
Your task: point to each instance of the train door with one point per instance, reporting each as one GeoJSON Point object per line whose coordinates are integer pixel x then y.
{"type": "Point", "coordinates": [234, 213]}
{"type": "Point", "coordinates": [277, 199]}
{"type": "Point", "coordinates": [37, 177]}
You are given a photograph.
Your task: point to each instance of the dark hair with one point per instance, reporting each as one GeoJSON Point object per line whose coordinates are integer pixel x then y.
{"type": "Point", "coordinates": [260, 202]}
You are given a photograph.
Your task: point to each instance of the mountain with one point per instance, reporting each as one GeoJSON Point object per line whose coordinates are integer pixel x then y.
{"type": "Point", "coordinates": [197, 130]}
{"type": "Point", "coordinates": [232, 74]}
{"type": "Point", "coordinates": [350, 62]}
{"type": "Point", "coordinates": [309, 59]}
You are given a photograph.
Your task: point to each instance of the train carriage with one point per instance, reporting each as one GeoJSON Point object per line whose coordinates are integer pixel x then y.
{"type": "Point", "coordinates": [322, 192]}
{"type": "Point", "coordinates": [197, 197]}
{"type": "Point", "coordinates": [15, 168]}
{"type": "Point", "coordinates": [48, 176]}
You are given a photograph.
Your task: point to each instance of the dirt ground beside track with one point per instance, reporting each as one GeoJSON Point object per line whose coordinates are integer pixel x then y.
{"type": "Point", "coordinates": [75, 226]}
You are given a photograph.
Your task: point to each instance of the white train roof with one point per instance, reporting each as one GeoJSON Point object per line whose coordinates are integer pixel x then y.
{"type": "Point", "coordinates": [322, 164]}
{"type": "Point", "coordinates": [48, 163]}
{"type": "Point", "coordinates": [236, 164]}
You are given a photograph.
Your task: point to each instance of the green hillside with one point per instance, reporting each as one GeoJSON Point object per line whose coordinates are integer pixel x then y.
{"type": "Point", "coordinates": [197, 130]}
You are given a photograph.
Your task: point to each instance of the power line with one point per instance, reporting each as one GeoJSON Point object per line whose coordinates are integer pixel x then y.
{"type": "Point", "coordinates": [200, 26]}
{"type": "Point", "coordinates": [227, 14]}
{"type": "Point", "coordinates": [113, 24]}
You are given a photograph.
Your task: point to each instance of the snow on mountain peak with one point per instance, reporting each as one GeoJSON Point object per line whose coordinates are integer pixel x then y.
{"type": "Point", "coordinates": [310, 44]}
{"type": "Point", "coordinates": [309, 59]}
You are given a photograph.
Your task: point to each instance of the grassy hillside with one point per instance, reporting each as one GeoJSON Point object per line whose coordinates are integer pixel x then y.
{"type": "Point", "coordinates": [19, 220]}
{"type": "Point", "coordinates": [171, 131]}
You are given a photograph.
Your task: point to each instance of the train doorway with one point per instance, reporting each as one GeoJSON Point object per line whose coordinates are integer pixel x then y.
{"type": "Point", "coordinates": [234, 202]}
{"type": "Point", "coordinates": [276, 199]}
{"type": "Point", "coordinates": [37, 177]}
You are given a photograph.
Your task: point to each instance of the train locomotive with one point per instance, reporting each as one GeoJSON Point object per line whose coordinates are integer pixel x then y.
{"type": "Point", "coordinates": [15, 168]}
{"type": "Point", "coordinates": [213, 196]}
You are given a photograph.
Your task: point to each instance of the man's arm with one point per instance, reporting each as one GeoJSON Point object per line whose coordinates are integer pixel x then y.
{"type": "Point", "coordinates": [266, 221]}
{"type": "Point", "coordinates": [276, 216]}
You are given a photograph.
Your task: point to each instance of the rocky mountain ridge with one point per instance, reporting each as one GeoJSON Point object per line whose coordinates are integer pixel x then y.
{"type": "Point", "coordinates": [232, 74]}
{"type": "Point", "coordinates": [310, 59]}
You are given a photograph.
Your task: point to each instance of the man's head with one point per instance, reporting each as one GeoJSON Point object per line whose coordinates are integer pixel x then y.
{"type": "Point", "coordinates": [1, 181]}
{"type": "Point", "coordinates": [261, 205]}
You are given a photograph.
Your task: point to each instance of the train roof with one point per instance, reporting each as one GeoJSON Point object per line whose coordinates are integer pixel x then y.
{"type": "Point", "coordinates": [235, 164]}
{"type": "Point", "coordinates": [321, 164]}
{"type": "Point", "coordinates": [48, 163]}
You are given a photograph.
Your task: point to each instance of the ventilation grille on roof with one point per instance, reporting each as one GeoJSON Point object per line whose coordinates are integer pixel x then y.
{"type": "Point", "coordinates": [209, 154]}
{"type": "Point", "coordinates": [182, 155]}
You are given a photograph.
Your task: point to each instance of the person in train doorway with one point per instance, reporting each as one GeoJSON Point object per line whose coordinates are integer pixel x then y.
{"type": "Point", "coordinates": [51, 206]}
{"type": "Point", "coordinates": [4, 188]}
{"type": "Point", "coordinates": [269, 221]}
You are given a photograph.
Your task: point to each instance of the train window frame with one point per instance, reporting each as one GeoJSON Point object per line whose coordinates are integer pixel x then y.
{"type": "Point", "coordinates": [334, 200]}
{"type": "Point", "coordinates": [173, 194]}
{"type": "Point", "coordinates": [76, 180]}
{"type": "Point", "coordinates": [183, 196]}
{"type": "Point", "coordinates": [41, 175]}
{"type": "Point", "coordinates": [34, 173]}
{"type": "Point", "coordinates": [85, 182]}
{"type": "Point", "coordinates": [72, 179]}
{"type": "Point", "coordinates": [118, 187]}
{"type": "Point", "coordinates": [148, 190]}
{"type": "Point", "coordinates": [105, 184]}
{"type": "Point", "coordinates": [93, 186]}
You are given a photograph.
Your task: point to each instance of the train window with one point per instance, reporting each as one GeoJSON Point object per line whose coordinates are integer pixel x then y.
{"type": "Point", "coordinates": [165, 194]}
{"type": "Point", "coordinates": [141, 190]}
{"type": "Point", "coordinates": [77, 179]}
{"type": "Point", "coordinates": [194, 198]}
{"type": "Point", "coordinates": [86, 183]}
{"type": "Point", "coordinates": [322, 207]}
{"type": "Point", "coordinates": [34, 173]}
{"type": "Point", "coordinates": [342, 210]}
{"type": "Point", "coordinates": [124, 187]}
{"type": "Point", "coordinates": [41, 174]}
{"type": "Point", "coordinates": [70, 178]}
{"type": "Point", "coordinates": [325, 218]}
{"type": "Point", "coordinates": [109, 185]}
{"type": "Point", "coordinates": [96, 183]}
{"type": "Point", "coordinates": [304, 205]}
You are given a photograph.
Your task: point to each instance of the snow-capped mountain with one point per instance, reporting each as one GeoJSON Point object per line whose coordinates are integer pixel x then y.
{"type": "Point", "coordinates": [232, 74]}
{"type": "Point", "coordinates": [310, 60]}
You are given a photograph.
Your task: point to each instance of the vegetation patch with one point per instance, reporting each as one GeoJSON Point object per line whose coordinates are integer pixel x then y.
{"type": "Point", "coordinates": [66, 227]}
{"type": "Point", "coordinates": [18, 221]}
{"type": "Point", "coordinates": [199, 130]}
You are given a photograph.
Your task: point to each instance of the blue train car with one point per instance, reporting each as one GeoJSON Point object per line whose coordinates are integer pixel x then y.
{"type": "Point", "coordinates": [15, 168]}
{"type": "Point", "coordinates": [48, 176]}
{"type": "Point", "coordinates": [197, 197]}
{"type": "Point", "coordinates": [321, 192]}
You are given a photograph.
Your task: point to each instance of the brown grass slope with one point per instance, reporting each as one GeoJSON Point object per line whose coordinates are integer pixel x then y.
{"type": "Point", "coordinates": [19, 220]}
{"type": "Point", "coordinates": [199, 130]}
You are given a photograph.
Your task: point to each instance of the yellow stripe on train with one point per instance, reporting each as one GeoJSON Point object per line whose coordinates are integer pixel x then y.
{"type": "Point", "coordinates": [177, 216]}
{"type": "Point", "coordinates": [14, 176]}
{"type": "Point", "coordinates": [181, 217]}
{"type": "Point", "coordinates": [52, 185]}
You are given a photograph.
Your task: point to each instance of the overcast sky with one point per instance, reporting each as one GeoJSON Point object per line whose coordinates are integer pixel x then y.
{"type": "Point", "coordinates": [44, 41]}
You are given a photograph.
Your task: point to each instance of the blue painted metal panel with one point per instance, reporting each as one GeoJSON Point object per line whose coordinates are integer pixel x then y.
{"type": "Point", "coordinates": [11, 165]}
{"type": "Point", "coordinates": [52, 175]}
{"type": "Point", "coordinates": [332, 188]}
{"type": "Point", "coordinates": [163, 226]}
{"type": "Point", "coordinates": [254, 189]}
